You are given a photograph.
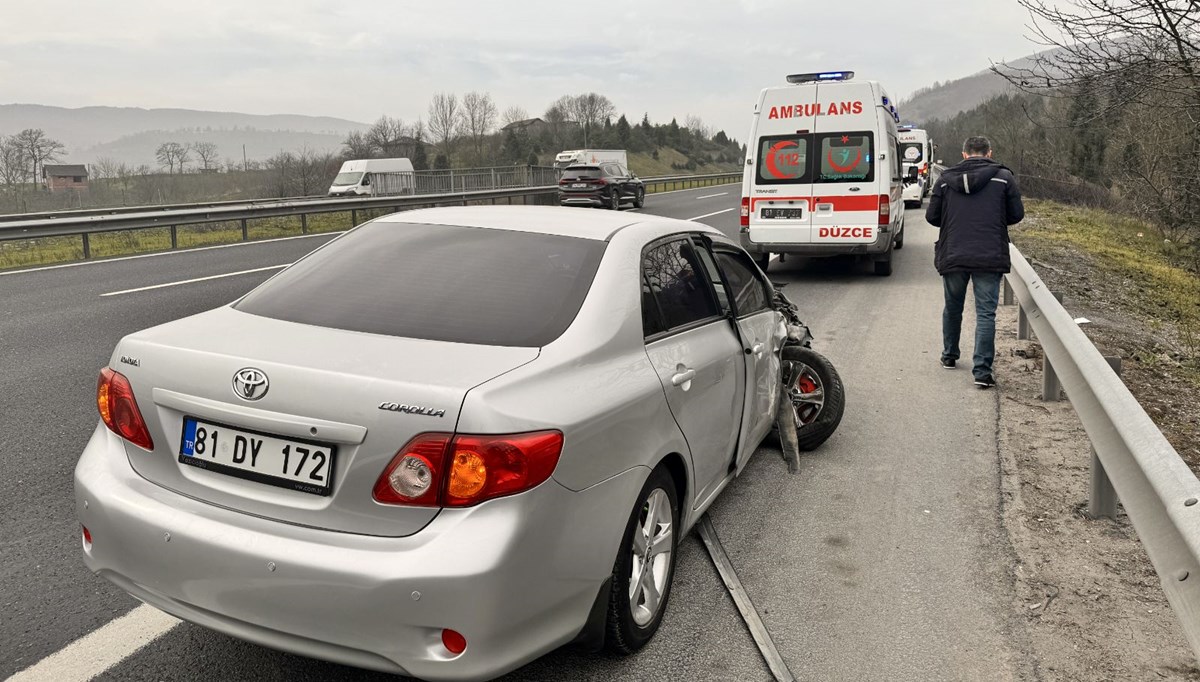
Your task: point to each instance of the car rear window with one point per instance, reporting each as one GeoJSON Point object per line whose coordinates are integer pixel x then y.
{"type": "Point", "coordinates": [845, 157]}
{"type": "Point", "coordinates": [581, 172]}
{"type": "Point", "coordinates": [436, 282]}
{"type": "Point", "coordinates": [782, 159]}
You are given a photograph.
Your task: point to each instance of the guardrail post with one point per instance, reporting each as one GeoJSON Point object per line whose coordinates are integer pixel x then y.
{"type": "Point", "coordinates": [1022, 323]}
{"type": "Point", "coordinates": [245, 230]}
{"type": "Point", "coordinates": [1050, 383]}
{"type": "Point", "coordinates": [174, 237]}
{"type": "Point", "coordinates": [1008, 292]}
{"type": "Point", "coordinates": [353, 217]}
{"type": "Point", "coordinates": [303, 223]}
{"type": "Point", "coordinates": [1102, 497]}
{"type": "Point", "coordinates": [87, 246]}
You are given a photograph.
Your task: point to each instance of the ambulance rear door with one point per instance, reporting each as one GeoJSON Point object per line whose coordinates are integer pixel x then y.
{"type": "Point", "coordinates": [780, 180]}
{"type": "Point", "coordinates": [846, 173]}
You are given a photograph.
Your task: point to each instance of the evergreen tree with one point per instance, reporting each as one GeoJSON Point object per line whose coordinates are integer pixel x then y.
{"type": "Point", "coordinates": [420, 160]}
{"type": "Point", "coordinates": [624, 132]}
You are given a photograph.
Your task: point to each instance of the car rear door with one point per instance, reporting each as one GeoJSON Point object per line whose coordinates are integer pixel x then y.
{"type": "Point", "coordinates": [780, 187]}
{"type": "Point", "coordinates": [697, 355]}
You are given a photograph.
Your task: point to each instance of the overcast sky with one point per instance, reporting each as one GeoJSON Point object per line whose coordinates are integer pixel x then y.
{"type": "Point", "coordinates": [358, 60]}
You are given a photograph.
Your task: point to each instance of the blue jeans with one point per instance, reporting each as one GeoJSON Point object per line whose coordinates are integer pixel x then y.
{"type": "Point", "coordinates": [987, 295]}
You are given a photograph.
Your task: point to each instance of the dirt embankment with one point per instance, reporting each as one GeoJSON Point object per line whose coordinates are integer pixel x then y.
{"type": "Point", "coordinates": [1094, 605]}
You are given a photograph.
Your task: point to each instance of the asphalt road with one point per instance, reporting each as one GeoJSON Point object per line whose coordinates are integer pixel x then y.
{"type": "Point", "coordinates": [882, 559]}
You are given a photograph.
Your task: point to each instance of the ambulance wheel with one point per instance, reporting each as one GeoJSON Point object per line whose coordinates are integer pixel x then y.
{"type": "Point", "coordinates": [764, 261]}
{"type": "Point", "coordinates": [883, 268]}
{"type": "Point", "coordinates": [900, 240]}
{"type": "Point", "coordinates": [640, 200]}
{"type": "Point", "coordinates": [816, 393]}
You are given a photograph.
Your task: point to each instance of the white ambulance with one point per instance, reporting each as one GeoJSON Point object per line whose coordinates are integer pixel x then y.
{"type": "Point", "coordinates": [916, 153]}
{"type": "Point", "coordinates": [822, 174]}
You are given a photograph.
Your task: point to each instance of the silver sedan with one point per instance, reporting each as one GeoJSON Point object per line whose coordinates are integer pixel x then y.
{"type": "Point", "coordinates": [443, 444]}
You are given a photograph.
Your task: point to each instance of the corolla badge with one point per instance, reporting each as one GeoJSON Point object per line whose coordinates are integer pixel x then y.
{"type": "Point", "coordinates": [250, 383]}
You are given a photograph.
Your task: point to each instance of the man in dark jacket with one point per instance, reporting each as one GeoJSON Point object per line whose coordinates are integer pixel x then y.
{"type": "Point", "coordinates": [974, 203]}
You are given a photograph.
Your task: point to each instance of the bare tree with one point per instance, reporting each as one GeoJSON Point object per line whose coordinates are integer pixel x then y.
{"type": "Point", "coordinates": [358, 146]}
{"type": "Point", "coordinates": [38, 149]}
{"type": "Point", "coordinates": [104, 167]}
{"type": "Point", "coordinates": [479, 117]}
{"type": "Point", "coordinates": [445, 116]}
{"type": "Point", "coordinates": [207, 153]}
{"type": "Point", "coordinates": [171, 154]}
{"type": "Point", "coordinates": [312, 171]}
{"type": "Point", "coordinates": [697, 126]}
{"type": "Point", "coordinates": [557, 117]}
{"type": "Point", "coordinates": [589, 110]}
{"type": "Point", "coordinates": [14, 165]}
{"type": "Point", "coordinates": [391, 137]}
{"type": "Point", "coordinates": [514, 114]}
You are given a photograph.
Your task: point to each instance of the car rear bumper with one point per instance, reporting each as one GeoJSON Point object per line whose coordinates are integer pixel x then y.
{"type": "Point", "coordinates": [913, 192]}
{"type": "Point", "coordinates": [517, 576]}
{"type": "Point", "coordinates": [596, 198]}
{"type": "Point", "coordinates": [881, 245]}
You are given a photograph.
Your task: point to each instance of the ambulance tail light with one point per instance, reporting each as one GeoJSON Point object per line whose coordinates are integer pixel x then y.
{"type": "Point", "coordinates": [745, 220]}
{"type": "Point", "coordinates": [885, 209]}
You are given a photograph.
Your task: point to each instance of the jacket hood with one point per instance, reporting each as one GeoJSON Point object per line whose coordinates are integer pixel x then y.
{"type": "Point", "coordinates": [972, 175]}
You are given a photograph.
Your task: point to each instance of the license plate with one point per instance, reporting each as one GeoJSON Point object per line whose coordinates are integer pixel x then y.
{"type": "Point", "coordinates": [786, 213]}
{"type": "Point", "coordinates": [579, 185]}
{"type": "Point", "coordinates": [290, 463]}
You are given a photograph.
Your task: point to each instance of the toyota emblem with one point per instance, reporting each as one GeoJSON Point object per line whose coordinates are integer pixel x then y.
{"type": "Point", "coordinates": [250, 383]}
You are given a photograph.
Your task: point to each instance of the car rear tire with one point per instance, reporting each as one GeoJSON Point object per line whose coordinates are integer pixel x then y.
{"type": "Point", "coordinates": [640, 200]}
{"type": "Point", "coordinates": [816, 393]}
{"type": "Point", "coordinates": [641, 589]}
{"type": "Point", "coordinates": [614, 199]}
{"type": "Point", "coordinates": [883, 268]}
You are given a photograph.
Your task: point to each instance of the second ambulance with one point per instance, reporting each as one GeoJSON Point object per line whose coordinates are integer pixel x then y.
{"type": "Point", "coordinates": [823, 175]}
{"type": "Point", "coordinates": [916, 153]}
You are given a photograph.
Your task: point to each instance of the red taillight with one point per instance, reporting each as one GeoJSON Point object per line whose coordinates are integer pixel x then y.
{"type": "Point", "coordinates": [414, 476]}
{"type": "Point", "coordinates": [745, 212]}
{"type": "Point", "coordinates": [453, 641]}
{"type": "Point", "coordinates": [87, 537]}
{"type": "Point", "coordinates": [119, 409]}
{"type": "Point", "coordinates": [437, 470]}
{"type": "Point", "coordinates": [885, 209]}
{"type": "Point", "coordinates": [600, 181]}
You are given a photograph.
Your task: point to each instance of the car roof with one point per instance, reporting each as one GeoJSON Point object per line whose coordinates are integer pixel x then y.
{"type": "Point", "coordinates": [568, 222]}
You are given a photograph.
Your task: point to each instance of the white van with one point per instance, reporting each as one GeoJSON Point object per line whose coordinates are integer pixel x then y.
{"type": "Point", "coordinates": [916, 153]}
{"type": "Point", "coordinates": [373, 177]}
{"type": "Point", "coordinates": [822, 174]}
{"type": "Point", "coordinates": [591, 157]}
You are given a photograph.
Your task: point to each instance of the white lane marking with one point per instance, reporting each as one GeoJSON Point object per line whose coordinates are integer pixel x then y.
{"type": "Point", "coordinates": [707, 215]}
{"type": "Point", "coordinates": [168, 253]}
{"type": "Point", "coordinates": [100, 649]}
{"type": "Point", "coordinates": [193, 281]}
{"type": "Point", "coordinates": [689, 189]}
{"type": "Point", "coordinates": [710, 196]}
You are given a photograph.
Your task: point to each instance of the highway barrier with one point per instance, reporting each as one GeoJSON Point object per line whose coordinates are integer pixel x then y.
{"type": "Point", "coordinates": [94, 221]}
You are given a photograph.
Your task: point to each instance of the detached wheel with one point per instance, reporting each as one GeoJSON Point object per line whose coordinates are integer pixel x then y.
{"type": "Point", "coordinates": [645, 567]}
{"type": "Point", "coordinates": [640, 200]}
{"type": "Point", "coordinates": [614, 199]}
{"type": "Point", "coordinates": [816, 393]}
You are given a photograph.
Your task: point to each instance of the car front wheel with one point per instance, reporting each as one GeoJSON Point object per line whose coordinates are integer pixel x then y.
{"type": "Point", "coordinates": [640, 200]}
{"type": "Point", "coordinates": [645, 566]}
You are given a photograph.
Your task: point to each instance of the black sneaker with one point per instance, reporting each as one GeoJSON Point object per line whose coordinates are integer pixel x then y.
{"type": "Point", "coordinates": [947, 363]}
{"type": "Point", "coordinates": [986, 382]}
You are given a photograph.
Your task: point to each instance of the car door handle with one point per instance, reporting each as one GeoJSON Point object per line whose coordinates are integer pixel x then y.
{"type": "Point", "coordinates": [683, 377]}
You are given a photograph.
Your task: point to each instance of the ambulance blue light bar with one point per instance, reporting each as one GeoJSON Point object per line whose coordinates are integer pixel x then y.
{"type": "Point", "coordinates": [825, 76]}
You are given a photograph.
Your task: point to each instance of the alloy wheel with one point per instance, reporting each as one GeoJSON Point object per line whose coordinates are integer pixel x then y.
{"type": "Point", "coordinates": [806, 391]}
{"type": "Point", "coordinates": [651, 561]}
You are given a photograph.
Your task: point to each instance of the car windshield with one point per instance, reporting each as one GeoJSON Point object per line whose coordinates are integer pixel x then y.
{"type": "Point", "coordinates": [347, 178]}
{"type": "Point", "coordinates": [437, 282]}
{"type": "Point", "coordinates": [912, 152]}
{"type": "Point", "coordinates": [577, 172]}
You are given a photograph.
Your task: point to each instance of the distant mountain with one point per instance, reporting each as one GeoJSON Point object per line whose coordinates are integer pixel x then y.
{"type": "Point", "coordinates": [946, 100]}
{"type": "Point", "coordinates": [130, 135]}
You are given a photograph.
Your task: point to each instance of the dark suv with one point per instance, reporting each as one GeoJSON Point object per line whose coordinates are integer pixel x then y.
{"type": "Point", "coordinates": [601, 184]}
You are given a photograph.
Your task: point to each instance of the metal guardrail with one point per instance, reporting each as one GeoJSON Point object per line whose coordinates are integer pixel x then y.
{"type": "Point", "coordinates": [88, 222]}
{"type": "Point", "coordinates": [1156, 487]}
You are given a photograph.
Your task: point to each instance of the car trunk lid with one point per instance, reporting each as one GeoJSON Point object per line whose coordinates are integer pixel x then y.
{"type": "Point", "coordinates": [362, 404]}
